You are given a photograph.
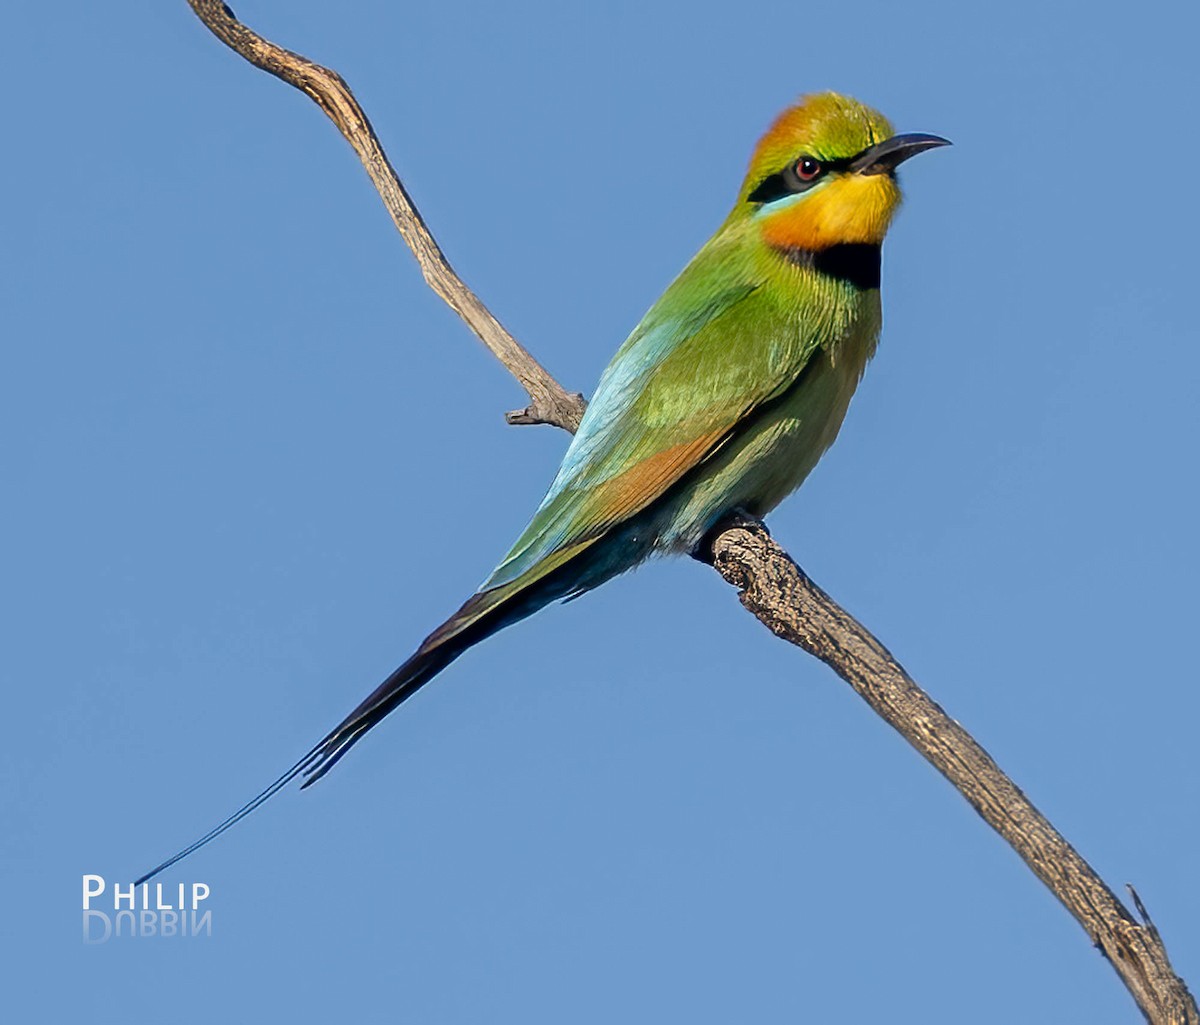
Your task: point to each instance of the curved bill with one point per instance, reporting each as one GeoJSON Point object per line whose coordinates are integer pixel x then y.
{"type": "Point", "coordinates": [886, 156]}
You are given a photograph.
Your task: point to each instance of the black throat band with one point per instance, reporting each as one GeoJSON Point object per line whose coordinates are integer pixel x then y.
{"type": "Point", "coordinates": [856, 263]}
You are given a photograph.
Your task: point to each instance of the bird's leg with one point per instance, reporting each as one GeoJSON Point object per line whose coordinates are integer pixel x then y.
{"type": "Point", "coordinates": [736, 517]}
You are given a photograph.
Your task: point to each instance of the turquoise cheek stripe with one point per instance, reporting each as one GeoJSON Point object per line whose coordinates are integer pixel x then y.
{"type": "Point", "coordinates": [783, 203]}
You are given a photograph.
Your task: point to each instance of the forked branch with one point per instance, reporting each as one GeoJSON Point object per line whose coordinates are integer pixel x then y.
{"type": "Point", "coordinates": [771, 585]}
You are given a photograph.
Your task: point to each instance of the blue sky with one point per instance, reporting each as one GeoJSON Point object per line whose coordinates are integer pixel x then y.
{"type": "Point", "coordinates": [250, 460]}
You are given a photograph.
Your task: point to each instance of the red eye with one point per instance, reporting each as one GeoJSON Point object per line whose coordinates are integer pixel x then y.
{"type": "Point", "coordinates": [807, 169]}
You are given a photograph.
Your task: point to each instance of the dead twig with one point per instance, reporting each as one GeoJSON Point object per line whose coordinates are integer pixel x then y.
{"type": "Point", "coordinates": [549, 402]}
{"type": "Point", "coordinates": [781, 596]}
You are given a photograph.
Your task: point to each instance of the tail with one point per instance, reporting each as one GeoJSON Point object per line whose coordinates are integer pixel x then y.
{"type": "Point", "coordinates": [482, 615]}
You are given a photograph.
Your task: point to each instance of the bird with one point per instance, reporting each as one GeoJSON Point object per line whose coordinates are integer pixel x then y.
{"type": "Point", "coordinates": [723, 398]}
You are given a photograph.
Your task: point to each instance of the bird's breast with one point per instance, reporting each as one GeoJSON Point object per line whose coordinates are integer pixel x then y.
{"type": "Point", "coordinates": [781, 443]}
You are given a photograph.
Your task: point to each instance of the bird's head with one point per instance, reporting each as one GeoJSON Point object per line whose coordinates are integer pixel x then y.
{"type": "Point", "coordinates": [824, 175]}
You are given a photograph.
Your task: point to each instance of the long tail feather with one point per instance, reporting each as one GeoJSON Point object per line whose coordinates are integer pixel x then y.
{"type": "Point", "coordinates": [236, 817]}
{"type": "Point", "coordinates": [481, 616]}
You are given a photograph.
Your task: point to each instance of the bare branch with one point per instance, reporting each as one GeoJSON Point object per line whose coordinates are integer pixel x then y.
{"type": "Point", "coordinates": [549, 402]}
{"type": "Point", "coordinates": [778, 593]}
{"type": "Point", "coordinates": [772, 587]}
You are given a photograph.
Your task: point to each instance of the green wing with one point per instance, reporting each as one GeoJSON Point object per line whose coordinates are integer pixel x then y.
{"type": "Point", "coordinates": [721, 341]}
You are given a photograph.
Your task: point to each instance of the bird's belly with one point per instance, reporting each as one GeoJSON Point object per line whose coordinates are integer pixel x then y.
{"type": "Point", "coordinates": [756, 470]}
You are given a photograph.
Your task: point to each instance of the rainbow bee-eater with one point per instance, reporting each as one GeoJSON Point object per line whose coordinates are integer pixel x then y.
{"type": "Point", "coordinates": [724, 396]}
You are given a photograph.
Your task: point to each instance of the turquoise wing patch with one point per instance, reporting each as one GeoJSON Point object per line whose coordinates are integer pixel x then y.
{"type": "Point", "coordinates": [609, 428]}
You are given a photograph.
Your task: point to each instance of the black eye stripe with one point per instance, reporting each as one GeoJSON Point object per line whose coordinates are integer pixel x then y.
{"type": "Point", "coordinates": [774, 187]}
{"type": "Point", "coordinates": [788, 183]}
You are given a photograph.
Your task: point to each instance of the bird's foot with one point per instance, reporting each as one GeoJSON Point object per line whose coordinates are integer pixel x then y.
{"type": "Point", "coordinates": [736, 517]}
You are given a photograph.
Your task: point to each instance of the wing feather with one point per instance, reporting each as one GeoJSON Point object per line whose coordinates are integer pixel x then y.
{"type": "Point", "coordinates": [715, 347]}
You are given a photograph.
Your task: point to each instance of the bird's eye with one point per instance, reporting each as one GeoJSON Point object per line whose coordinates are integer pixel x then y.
{"type": "Point", "coordinates": [807, 169]}
{"type": "Point", "coordinates": [795, 178]}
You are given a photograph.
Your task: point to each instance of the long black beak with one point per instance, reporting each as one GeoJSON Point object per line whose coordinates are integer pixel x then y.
{"type": "Point", "coordinates": [886, 156]}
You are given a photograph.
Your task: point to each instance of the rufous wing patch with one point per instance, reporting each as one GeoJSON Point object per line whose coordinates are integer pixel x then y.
{"type": "Point", "coordinates": [632, 490]}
